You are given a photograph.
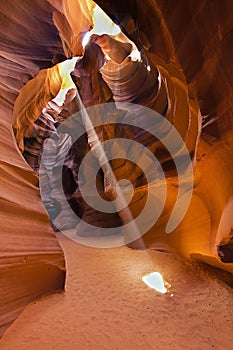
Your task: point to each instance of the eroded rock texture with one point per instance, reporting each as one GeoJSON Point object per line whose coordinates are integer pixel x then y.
{"type": "Point", "coordinates": [197, 36]}
{"type": "Point", "coordinates": [31, 260]}
{"type": "Point", "coordinates": [194, 34]}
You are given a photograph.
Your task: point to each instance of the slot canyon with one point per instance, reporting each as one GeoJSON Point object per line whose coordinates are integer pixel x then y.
{"type": "Point", "coordinates": [163, 81]}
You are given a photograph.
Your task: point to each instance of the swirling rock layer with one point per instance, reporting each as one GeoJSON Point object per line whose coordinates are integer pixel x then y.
{"type": "Point", "coordinates": [31, 260]}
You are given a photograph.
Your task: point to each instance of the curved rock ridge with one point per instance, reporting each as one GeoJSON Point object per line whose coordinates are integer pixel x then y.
{"type": "Point", "coordinates": [202, 50]}
{"type": "Point", "coordinates": [197, 35]}
{"type": "Point", "coordinates": [31, 260]}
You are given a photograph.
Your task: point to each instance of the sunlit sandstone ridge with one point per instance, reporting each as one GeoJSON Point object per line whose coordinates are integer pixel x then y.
{"type": "Point", "coordinates": [198, 38]}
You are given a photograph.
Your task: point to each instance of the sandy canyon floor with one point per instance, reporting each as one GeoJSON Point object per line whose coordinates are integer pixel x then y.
{"type": "Point", "coordinates": [107, 306]}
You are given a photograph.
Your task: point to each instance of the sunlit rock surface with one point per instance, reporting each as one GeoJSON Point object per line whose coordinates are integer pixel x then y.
{"type": "Point", "coordinates": [197, 35]}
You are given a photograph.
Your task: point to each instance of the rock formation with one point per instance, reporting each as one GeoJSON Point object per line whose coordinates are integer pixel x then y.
{"type": "Point", "coordinates": [196, 37]}
{"type": "Point", "coordinates": [31, 260]}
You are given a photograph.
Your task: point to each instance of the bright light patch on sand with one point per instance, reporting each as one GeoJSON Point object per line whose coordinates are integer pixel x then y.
{"type": "Point", "coordinates": [155, 281]}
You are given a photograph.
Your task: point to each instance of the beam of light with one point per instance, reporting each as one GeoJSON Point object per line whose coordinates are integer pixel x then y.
{"type": "Point", "coordinates": [98, 149]}
{"type": "Point", "coordinates": [104, 25]}
{"type": "Point", "coordinates": [155, 281]}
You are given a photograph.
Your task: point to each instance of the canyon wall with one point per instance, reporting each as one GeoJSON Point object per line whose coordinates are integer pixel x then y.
{"type": "Point", "coordinates": [196, 34]}
{"type": "Point", "coordinates": [31, 260]}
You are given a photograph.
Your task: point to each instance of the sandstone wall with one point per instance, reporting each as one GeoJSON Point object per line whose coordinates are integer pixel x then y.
{"type": "Point", "coordinates": [31, 260]}
{"type": "Point", "coordinates": [197, 34]}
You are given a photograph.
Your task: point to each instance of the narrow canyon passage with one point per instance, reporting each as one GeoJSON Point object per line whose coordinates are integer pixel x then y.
{"type": "Point", "coordinates": [57, 58]}
{"type": "Point", "coordinates": [107, 306]}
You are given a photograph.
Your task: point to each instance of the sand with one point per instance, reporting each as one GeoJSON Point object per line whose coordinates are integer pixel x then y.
{"type": "Point", "coordinates": [107, 306]}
